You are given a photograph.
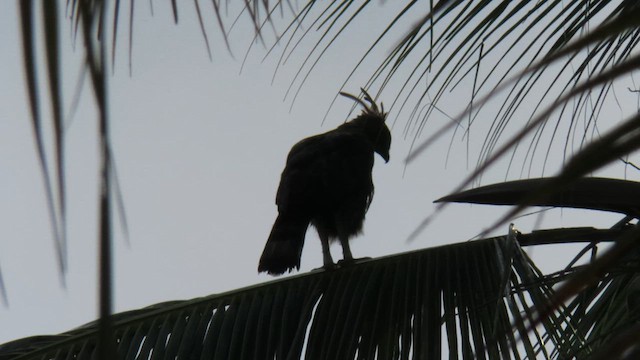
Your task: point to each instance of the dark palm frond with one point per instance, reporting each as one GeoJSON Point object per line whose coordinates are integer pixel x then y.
{"type": "Point", "coordinates": [620, 141]}
{"type": "Point", "coordinates": [80, 13]}
{"type": "Point", "coordinates": [621, 257]}
{"type": "Point", "coordinates": [50, 14]}
{"type": "Point", "coordinates": [204, 31]}
{"type": "Point", "coordinates": [56, 209]}
{"type": "Point", "coordinates": [605, 54]}
{"type": "Point", "coordinates": [599, 300]}
{"type": "Point", "coordinates": [575, 235]}
{"type": "Point", "coordinates": [606, 290]}
{"type": "Point", "coordinates": [524, 39]}
{"type": "Point", "coordinates": [615, 144]}
{"type": "Point", "coordinates": [463, 296]}
{"type": "Point", "coordinates": [594, 193]}
{"type": "Point", "coordinates": [89, 19]}
{"type": "Point", "coordinates": [605, 73]}
{"type": "Point", "coordinates": [93, 27]}
{"type": "Point", "coordinates": [607, 308]}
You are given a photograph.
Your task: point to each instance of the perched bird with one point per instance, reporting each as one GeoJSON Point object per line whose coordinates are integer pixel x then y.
{"type": "Point", "coordinates": [327, 183]}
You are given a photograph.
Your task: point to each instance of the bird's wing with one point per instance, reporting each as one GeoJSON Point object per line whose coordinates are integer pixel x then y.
{"type": "Point", "coordinates": [334, 165]}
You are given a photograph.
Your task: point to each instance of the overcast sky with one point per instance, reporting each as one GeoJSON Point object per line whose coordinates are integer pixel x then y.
{"type": "Point", "coordinates": [199, 148]}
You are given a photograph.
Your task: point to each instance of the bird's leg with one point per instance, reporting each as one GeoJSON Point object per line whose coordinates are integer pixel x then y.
{"type": "Point", "coordinates": [326, 253]}
{"type": "Point", "coordinates": [346, 250]}
{"type": "Point", "coordinates": [347, 257]}
{"type": "Point", "coordinates": [346, 253]}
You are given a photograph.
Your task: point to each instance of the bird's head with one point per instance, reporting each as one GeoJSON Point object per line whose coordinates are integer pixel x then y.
{"type": "Point", "coordinates": [372, 122]}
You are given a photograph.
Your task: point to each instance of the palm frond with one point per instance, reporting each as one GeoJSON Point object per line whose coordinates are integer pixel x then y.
{"type": "Point", "coordinates": [56, 208]}
{"type": "Point", "coordinates": [605, 291]}
{"type": "Point", "coordinates": [466, 296]}
{"type": "Point", "coordinates": [531, 44]}
{"type": "Point", "coordinates": [89, 19]}
{"type": "Point", "coordinates": [593, 193]}
{"type": "Point", "coordinates": [607, 308]}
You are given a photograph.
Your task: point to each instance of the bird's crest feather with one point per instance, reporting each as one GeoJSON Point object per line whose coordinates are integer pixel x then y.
{"type": "Point", "coordinates": [368, 109]}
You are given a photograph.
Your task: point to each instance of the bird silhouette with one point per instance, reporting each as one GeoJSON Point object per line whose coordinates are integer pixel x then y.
{"type": "Point", "coordinates": [327, 183]}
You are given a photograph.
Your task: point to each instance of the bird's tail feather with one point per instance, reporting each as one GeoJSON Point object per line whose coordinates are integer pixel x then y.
{"type": "Point", "coordinates": [284, 246]}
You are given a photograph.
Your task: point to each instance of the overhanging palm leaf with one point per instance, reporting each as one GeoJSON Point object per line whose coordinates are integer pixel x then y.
{"type": "Point", "coordinates": [88, 17]}
{"type": "Point", "coordinates": [406, 306]}
{"type": "Point", "coordinates": [603, 194]}
{"type": "Point", "coordinates": [56, 211]}
{"type": "Point", "coordinates": [458, 36]}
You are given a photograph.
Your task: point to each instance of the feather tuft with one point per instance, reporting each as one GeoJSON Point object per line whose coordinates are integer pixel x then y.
{"type": "Point", "coordinates": [368, 109]}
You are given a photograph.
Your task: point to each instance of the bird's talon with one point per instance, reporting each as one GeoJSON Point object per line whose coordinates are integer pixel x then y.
{"type": "Point", "coordinates": [349, 262]}
{"type": "Point", "coordinates": [326, 267]}
{"type": "Point", "coordinates": [346, 262]}
{"type": "Point", "coordinates": [330, 267]}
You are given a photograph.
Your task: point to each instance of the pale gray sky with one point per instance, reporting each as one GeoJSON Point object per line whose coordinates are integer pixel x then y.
{"type": "Point", "coordinates": [199, 150]}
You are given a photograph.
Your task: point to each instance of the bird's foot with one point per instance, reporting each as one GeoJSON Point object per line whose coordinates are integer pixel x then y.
{"type": "Point", "coordinates": [352, 261]}
{"type": "Point", "coordinates": [330, 266]}
{"type": "Point", "coordinates": [327, 267]}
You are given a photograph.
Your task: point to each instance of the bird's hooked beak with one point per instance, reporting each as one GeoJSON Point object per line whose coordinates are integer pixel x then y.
{"type": "Point", "coordinates": [385, 156]}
